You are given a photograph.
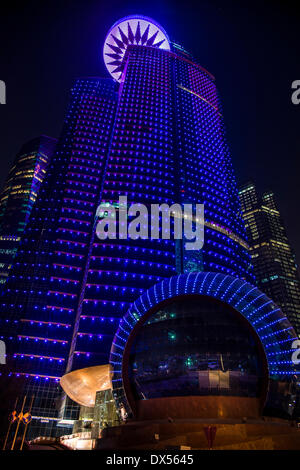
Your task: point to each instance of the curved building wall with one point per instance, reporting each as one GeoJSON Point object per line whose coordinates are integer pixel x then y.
{"type": "Point", "coordinates": [206, 173]}
{"type": "Point", "coordinates": [167, 146]}
{"type": "Point", "coordinates": [141, 165]}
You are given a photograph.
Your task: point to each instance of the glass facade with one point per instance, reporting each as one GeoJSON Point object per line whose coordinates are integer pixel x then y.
{"type": "Point", "coordinates": [195, 346]}
{"type": "Point", "coordinates": [19, 194]}
{"type": "Point", "coordinates": [274, 262]}
{"type": "Point", "coordinates": [103, 414]}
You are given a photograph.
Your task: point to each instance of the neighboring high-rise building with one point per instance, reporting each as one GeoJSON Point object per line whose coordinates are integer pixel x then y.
{"type": "Point", "coordinates": [20, 191]}
{"type": "Point", "coordinates": [155, 133]}
{"type": "Point", "coordinates": [273, 259]}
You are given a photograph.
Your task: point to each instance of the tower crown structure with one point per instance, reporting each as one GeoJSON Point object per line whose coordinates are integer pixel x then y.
{"type": "Point", "coordinates": [131, 30]}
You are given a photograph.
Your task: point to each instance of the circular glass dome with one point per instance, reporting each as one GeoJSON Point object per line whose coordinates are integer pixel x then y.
{"type": "Point", "coordinates": [196, 345]}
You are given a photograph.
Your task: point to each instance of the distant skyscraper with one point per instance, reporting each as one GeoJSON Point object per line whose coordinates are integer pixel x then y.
{"type": "Point", "coordinates": [155, 133]}
{"type": "Point", "coordinates": [19, 194]}
{"type": "Point", "coordinates": [274, 262]}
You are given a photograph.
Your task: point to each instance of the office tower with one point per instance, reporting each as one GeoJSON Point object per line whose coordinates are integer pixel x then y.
{"type": "Point", "coordinates": [19, 193]}
{"type": "Point", "coordinates": [153, 132]}
{"type": "Point", "coordinates": [273, 259]}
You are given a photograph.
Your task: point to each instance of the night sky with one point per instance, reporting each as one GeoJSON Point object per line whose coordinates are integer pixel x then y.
{"type": "Point", "coordinates": [251, 47]}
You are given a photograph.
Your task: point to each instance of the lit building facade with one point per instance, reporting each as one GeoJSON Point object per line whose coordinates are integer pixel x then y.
{"type": "Point", "coordinates": [273, 259]}
{"type": "Point", "coordinates": [19, 193]}
{"type": "Point", "coordinates": [155, 133]}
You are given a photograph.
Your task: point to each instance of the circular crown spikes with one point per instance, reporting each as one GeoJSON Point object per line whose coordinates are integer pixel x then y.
{"type": "Point", "coordinates": [137, 30]}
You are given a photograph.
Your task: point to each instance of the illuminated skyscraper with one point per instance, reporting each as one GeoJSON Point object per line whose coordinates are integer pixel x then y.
{"type": "Point", "coordinates": [273, 260]}
{"type": "Point", "coordinates": [154, 132]}
{"type": "Point", "coordinates": [20, 191]}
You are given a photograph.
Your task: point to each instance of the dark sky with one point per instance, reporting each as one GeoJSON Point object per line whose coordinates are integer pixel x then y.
{"type": "Point", "coordinates": [251, 47]}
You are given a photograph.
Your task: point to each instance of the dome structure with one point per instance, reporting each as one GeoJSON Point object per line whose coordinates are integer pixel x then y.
{"type": "Point", "coordinates": [204, 338]}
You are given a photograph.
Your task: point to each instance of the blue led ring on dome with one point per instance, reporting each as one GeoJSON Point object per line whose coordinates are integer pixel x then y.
{"type": "Point", "coordinates": [274, 331]}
